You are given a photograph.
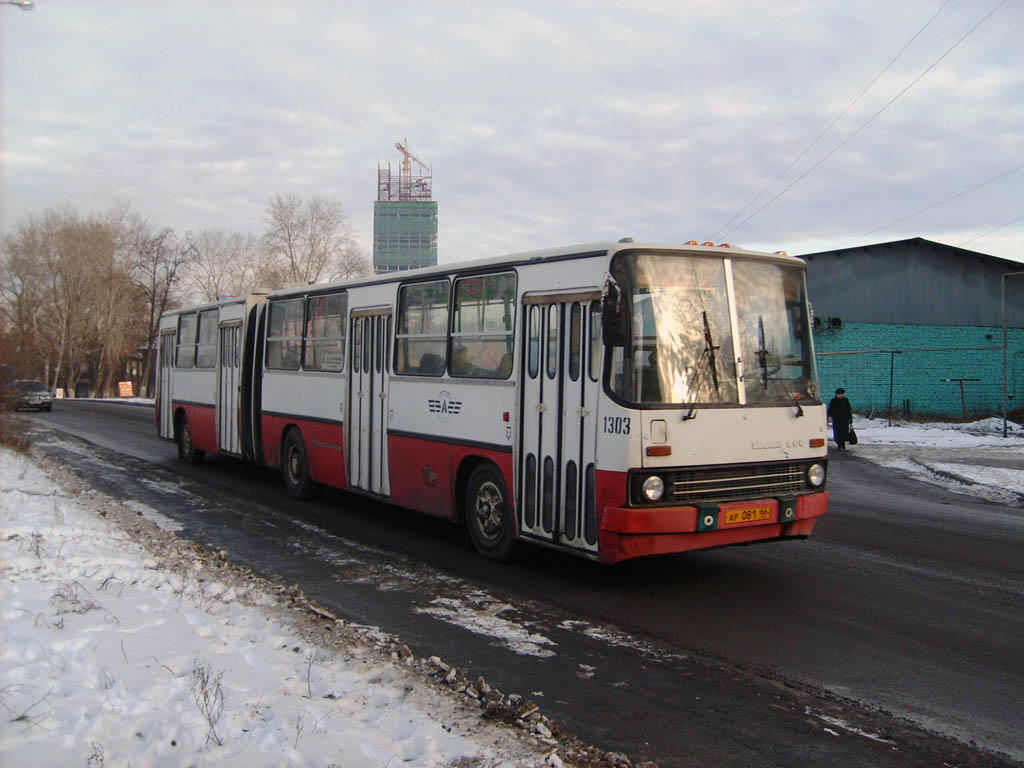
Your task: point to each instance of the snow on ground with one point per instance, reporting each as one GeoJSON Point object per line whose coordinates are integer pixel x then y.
{"type": "Point", "coordinates": [123, 645]}
{"type": "Point", "coordinates": [113, 653]}
{"type": "Point", "coordinates": [972, 458]}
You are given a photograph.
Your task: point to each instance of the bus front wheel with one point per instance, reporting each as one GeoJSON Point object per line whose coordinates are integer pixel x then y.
{"type": "Point", "coordinates": [489, 518]}
{"type": "Point", "coordinates": [187, 450]}
{"type": "Point", "coordinates": [295, 467]}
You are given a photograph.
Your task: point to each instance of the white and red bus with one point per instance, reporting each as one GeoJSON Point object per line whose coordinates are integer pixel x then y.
{"type": "Point", "coordinates": [613, 400]}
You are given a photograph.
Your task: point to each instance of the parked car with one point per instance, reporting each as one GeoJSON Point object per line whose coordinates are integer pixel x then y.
{"type": "Point", "coordinates": [30, 393]}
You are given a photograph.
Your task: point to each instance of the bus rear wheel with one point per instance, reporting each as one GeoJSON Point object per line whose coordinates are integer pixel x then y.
{"type": "Point", "coordinates": [295, 467]}
{"type": "Point", "coordinates": [187, 450]}
{"type": "Point", "coordinates": [489, 519]}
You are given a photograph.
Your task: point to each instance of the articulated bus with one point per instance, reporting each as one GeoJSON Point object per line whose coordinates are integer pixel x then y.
{"type": "Point", "coordinates": [612, 400]}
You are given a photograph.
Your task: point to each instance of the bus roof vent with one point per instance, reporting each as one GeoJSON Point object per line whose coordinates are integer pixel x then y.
{"type": "Point", "coordinates": [625, 239]}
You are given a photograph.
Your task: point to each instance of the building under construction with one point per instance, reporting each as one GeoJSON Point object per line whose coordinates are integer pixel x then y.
{"type": "Point", "coordinates": [404, 216]}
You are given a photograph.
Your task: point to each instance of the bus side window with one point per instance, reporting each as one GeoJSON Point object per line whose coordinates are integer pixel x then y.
{"type": "Point", "coordinates": [575, 340]}
{"type": "Point", "coordinates": [421, 330]}
{"type": "Point", "coordinates": [324, 335]}
{"type": "Point", "coordinates": [357, 344]}
{"type": "Point", "coordinates": [482, 326]}
{"type": "Point", "coordinates": [284, 334]}
{"type": "Point", "coordinates": [552, 365]}
{"type": "Point", "coordinates": [533, 342]}
{"type": "Point", "coordinates": [594, 353]}
{"type": "Point", "coordinates": [378, 345]}
{"type": "Point", "coordinates": [206, 346]}
{"type": "Point", "coordinates": [186, 353]}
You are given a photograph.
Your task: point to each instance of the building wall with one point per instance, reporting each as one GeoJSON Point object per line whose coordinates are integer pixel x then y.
{"type": "Point", "coordinates": [918, 372]}
{"type": "Point", "coordinates": [914, 281]}
{"type": "Point", "coordinates": [404, 235]}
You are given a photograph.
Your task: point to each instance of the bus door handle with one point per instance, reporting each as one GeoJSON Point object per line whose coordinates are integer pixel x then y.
{"type": "Point", "coordinates": [541, 407]}
{"type": "Point", "coordinates": [381, 395]}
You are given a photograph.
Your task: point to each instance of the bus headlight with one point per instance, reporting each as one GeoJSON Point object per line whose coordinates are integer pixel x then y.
{"type": "Point", "coordinates": [653, 488]}
{"type": "Point", "coordinates": [816, 475]}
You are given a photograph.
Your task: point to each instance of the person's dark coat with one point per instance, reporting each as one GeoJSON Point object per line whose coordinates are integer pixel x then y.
{"type": "Point", "coordinates": [841, 413]}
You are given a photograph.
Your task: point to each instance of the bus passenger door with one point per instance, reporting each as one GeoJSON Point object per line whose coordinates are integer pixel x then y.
{"type": "Point", "coordinates": [559, 389]}
{"type": "Point", "coordinates": [367, 422]}
{"type": "Point", "coordinates": [167, 346]}
{"type": "Point", "coordinates": [228, 388]}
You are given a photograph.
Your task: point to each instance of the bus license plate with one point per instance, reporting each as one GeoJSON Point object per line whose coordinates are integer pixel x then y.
{"type": "Point", "coordinates": [747, 514]}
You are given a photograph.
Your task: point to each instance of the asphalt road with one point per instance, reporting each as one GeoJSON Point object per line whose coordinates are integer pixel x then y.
{"type": "Point", "coordinates": [892, 637]}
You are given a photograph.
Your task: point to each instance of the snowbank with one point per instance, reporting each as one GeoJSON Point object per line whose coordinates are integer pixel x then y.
{"type": "Point", "coordinates": [116, 654]}
{"type": "Point", "coordinates": [972, 458]}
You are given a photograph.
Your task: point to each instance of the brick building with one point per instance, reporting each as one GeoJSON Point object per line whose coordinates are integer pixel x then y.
{"type": "Point", "coordinates": [912, 318]}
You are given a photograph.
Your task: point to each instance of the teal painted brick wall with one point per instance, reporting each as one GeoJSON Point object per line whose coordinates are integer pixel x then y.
{"type": "Point", "coordinates": [918, 374]}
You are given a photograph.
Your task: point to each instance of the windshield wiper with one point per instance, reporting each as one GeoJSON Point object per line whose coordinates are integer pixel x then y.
{"type": "Point", "coordinates": [762, 352]}
{"type": "Point", "coordinates": [709, 350]}
{"type": "Point", "coordinates": [708, 355]}
{"type": "Point", "coordinates": [799, 410]}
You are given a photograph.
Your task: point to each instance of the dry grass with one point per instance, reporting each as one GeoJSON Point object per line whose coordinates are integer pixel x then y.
{"type": "Point", "coordinates": [12, 427]}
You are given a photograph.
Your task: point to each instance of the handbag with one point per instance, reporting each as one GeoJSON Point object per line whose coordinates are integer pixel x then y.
{"type": "Point", "coordinates": [852, 439]}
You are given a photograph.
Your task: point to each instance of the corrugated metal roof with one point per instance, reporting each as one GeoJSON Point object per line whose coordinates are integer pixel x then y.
{"type": "Point", "coordinates": [915, 281]}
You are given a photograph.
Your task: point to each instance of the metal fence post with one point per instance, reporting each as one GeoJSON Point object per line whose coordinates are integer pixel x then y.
{"type": "Point", "coordinates": [892, 366]}
{"type": "Point", "coordinates": [1002, 307]}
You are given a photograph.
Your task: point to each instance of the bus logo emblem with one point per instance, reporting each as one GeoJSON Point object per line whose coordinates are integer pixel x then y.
{"type": "Point", "coordinates": [444, 406]}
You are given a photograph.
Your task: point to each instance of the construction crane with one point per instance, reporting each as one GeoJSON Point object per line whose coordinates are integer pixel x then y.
{"type": "Point", "coordinates": [407, 156]}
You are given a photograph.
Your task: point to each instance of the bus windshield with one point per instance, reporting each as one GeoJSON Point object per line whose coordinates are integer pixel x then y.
{"type": "Point", "coordinates": [677, 341]}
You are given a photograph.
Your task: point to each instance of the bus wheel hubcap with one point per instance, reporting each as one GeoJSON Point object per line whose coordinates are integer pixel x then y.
{"type": "Point", "coordinates": [489, 510]}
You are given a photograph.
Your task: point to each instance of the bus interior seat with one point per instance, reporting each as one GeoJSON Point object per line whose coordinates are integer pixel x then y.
{"type": "Point", "coordinates": [431, 364]}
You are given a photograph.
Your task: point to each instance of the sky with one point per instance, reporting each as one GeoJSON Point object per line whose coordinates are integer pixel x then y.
{"type": "Point", "coordinates": [796, 125]}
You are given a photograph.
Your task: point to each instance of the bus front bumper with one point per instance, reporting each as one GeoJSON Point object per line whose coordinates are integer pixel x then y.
{"type": "Point", "coordinates": [628, 532]}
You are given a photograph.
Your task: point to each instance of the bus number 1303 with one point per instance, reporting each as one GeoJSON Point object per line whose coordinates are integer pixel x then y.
{"type": "Point", "coordinates": [616, 425]}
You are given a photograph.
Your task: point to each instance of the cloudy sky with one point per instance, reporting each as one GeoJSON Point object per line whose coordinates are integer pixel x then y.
{"type": "Point", "coordinates": [546, 123]}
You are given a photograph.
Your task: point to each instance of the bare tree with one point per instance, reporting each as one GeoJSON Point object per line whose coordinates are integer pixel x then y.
{"type": "Point", "coordinates": [230, 264]}
{"type": "Point", "coordinates": [22, 306]}
{"type": "Point", "coordinates": [312, 240]}
{"type": "Point", "coordinates": [113, 297]}
{"type": "Point", "coordinates": [161, 258]}
{"type": "Point", "coordinates": [67, 291]}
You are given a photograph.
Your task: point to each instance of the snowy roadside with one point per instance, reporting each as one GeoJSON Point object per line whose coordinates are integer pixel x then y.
{"type": "Point", "coordinates": [972, 458]}
{"type": "Point", "coordinates": [124, 645]}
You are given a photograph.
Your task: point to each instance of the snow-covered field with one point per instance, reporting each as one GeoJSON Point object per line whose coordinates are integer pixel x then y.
{"type": "Point", "coordinates": [116, 654]}
{"type": "Point", "coordinates": [971, 458]}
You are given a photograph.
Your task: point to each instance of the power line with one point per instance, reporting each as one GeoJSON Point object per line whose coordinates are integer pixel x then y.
{"type": "Point", "coordinates": [936, 205]}
{"type": "Point", "coordinates": [986, 234]}
{"type": "Point", "coordinates": [871, 119]}
{"type": "Point", "coordinates": [835, 120]}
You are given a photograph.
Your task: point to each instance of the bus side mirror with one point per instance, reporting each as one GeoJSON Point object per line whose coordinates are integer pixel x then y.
{"type": "Point", "coordinates": [613, 321]}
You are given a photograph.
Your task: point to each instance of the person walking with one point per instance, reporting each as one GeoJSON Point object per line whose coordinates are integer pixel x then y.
{"type": "Point", "coordinates": [841, 413]}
